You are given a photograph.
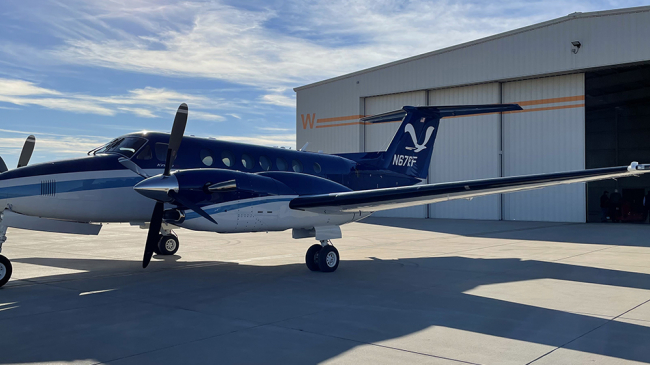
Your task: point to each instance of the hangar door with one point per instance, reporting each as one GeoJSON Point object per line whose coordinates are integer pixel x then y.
{"type": "Point", "coordinates": [547, 136]}
{"type": "Point", "coordinates": [467, 148]}
{"type": "Point", "coordinates": [377, 137]}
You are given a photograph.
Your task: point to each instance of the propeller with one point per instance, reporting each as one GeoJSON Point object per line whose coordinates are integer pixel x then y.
{"type": "Point", "coordinates": [156, 217]}
{"type": "Point", "coordinates": [26, 153]}
{"type": "Point", "coordinates": [164, 188]}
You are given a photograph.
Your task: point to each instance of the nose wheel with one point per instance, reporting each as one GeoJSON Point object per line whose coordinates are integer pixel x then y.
{"type": "Point", "coordinates": [5, 270]}
{"type": "Point", "coordinates": [323, 257]}
{"type": "Point", "coordinates": [168, 245]}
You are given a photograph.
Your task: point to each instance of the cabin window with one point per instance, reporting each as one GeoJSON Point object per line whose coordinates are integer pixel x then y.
{"type": "Point", "coordinates": [265, 164]}
{"type": "Point", "coordinates": [206, 157]}
{"type": "Point", "coordinates": [296, 165]}
{"type": "Point", "coordinates": [281, 164]}
{"type": "Point", "coordinates": [161, 151]}
{"type": "Point", "coordinates": [227, 158]}
{"type": "Point", "coordinates": [317, 168]}
{"type": "Point", "coordinates": [145, 154]}
{"type": "Point", "coordinates": [247, 161]}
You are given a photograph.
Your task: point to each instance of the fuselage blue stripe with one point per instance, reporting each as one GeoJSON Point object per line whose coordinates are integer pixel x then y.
{"type": "Point", "coordinates": [69, 186]}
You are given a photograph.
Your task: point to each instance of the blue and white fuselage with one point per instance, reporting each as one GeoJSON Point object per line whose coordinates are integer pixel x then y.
{"type": "Point", "coordinates": [98, 188]}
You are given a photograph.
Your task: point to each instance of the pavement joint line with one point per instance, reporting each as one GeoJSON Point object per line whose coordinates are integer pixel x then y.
{"type": "Point", "coordinates": [379, 345]}
{"type": "Point", "coordinates": [585, 253]}
{"type": "Point", "coordinates": [590, 331]}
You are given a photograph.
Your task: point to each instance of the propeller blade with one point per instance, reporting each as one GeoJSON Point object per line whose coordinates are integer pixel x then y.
{"type": "Point", "coordinates": [133, 167]}
{"type": "Point", "coordinates": [3, 166]}
{"type": "Point", "coordinates": [177, 197]}
{"type": "Point", "coordinates": [176, 137]}
{"type": "Point", "coordinates": [26, 153]}
{"type": "Point", "coordinates": [153, 235]}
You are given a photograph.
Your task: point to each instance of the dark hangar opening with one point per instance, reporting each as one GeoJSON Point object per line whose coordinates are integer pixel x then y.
{"type": "Point", "coordinates": [617, 128]}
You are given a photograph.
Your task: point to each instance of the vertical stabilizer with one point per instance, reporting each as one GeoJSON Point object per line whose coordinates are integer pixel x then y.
{"type": "Point", "coordinates": [409, 153]}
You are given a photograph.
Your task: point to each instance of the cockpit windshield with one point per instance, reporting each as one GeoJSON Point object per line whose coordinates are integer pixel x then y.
{"type": "Point", "coordinates": [125, 146]}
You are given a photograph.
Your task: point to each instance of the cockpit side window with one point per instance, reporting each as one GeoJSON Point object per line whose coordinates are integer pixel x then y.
{"type": "Point", "coordinates": [161, 151]}
{"type": "Point", "coordinates": [145, 154]}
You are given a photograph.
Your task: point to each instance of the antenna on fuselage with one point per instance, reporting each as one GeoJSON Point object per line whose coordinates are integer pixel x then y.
{"type": "Point", "coordinates": [303, 147]}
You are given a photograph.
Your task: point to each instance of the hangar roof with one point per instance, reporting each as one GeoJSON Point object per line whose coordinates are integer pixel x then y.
{"type": "Point", "coordinates": [600, 33]}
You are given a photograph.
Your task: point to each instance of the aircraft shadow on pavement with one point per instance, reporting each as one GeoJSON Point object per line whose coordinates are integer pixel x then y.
{"type": "Point", "coordinates": [300, 316]}
{"type": "Point", "coordinates": [627, 234]}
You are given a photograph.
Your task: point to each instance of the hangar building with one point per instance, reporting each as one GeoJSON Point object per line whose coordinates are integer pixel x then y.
{"type": "Point", "coordinates": [583, 81]}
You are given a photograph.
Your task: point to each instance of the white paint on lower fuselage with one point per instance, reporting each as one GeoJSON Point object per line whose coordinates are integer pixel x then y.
{"type": "Point", "coordinates": [264, 216]}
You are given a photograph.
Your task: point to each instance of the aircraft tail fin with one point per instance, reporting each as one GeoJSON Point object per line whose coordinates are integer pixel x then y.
{"type": "Point", "coordinates": [409, 153]}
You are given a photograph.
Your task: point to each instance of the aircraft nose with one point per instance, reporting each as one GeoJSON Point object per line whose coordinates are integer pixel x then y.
{"type": "Point", "coordinates": [157, 187]}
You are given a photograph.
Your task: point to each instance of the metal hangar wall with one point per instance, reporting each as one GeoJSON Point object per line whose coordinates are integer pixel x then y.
{"type": "Point", "coordinates": [537, 67]}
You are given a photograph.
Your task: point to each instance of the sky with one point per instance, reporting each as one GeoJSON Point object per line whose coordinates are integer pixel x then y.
{"type": "Point", "coordinates": [77, 74]}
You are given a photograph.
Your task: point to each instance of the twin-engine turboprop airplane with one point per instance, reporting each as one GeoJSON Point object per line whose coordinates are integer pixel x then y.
{"type": "Point", "coordinates": [210, 185]}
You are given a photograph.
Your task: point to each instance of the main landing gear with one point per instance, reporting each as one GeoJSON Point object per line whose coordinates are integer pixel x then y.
{"type": "Point", "coordinates": [323, 257]}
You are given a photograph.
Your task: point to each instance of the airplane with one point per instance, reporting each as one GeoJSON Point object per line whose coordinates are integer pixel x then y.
{"type": "Point", "coordinates": [162, 181]}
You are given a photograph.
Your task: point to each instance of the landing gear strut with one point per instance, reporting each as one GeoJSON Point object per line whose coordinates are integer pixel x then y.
{"type": "Point", "coordinates": [323, 257]}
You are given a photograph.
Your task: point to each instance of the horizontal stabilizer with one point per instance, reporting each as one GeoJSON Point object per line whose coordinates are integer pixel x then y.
{"type": "Point", "coordinates": [442, 111]}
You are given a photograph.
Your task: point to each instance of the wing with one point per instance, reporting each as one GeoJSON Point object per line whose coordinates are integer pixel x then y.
{"type": "Point", "coordinates": [389, 198]}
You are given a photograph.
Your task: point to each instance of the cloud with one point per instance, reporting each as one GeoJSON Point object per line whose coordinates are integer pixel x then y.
{"type": "Point", "coordinates": [280, 100]}
{"type": "Point", "coordinates": [139, 102]}
{"type": "Point", "coordinates": [9, 87]}
{"type": "Point", "coordinates": [206, 116]}
{"type": "Point", "coordinates": [141, 112]}
{"type": "Point", "coordinates": [286, 43]}
{"type": "Point", "coordinates": [274, 129]}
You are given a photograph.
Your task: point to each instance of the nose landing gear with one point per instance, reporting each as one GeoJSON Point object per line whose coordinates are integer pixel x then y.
{"type": "Point", "coordinates": [5, 270]}
{"type": "Point", "coordinates": [168, 245]}
{"type": "Point", "coordinates": [5, 264]}
{"type": "Point", "coordinates": [323, 257]}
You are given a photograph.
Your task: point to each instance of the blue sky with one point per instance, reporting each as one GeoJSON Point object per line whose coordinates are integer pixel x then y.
{"type": "Point", "coordinates": [78, 73]}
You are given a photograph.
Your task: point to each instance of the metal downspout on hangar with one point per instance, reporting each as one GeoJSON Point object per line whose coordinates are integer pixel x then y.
{"type": "Point", "coordinates": [583, 81]}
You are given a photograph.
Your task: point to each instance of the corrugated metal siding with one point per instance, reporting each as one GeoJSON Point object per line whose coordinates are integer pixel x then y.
{"type": "Point", "coordinates": [378, 136]}
{"type": "Point", "coordinates": [467, 148]}
{"type": "Point", "coordinates": [324, 103]}
{"type": "Point", "coordinates": [551, 139]}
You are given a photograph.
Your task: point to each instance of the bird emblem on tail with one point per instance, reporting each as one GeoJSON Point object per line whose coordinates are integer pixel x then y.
{"type": "Point", "coordinates": [418, 147]}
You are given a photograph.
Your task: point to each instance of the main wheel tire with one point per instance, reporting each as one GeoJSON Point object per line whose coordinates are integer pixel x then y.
{"type": "Point", "coordinates": [311, 258]}
{"type": "Point", "coordinates": [5, 270]}
{"type": "Point", "coordinates": [168, 245]}
{"type": "Point", "coordinates": [328, 258]}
